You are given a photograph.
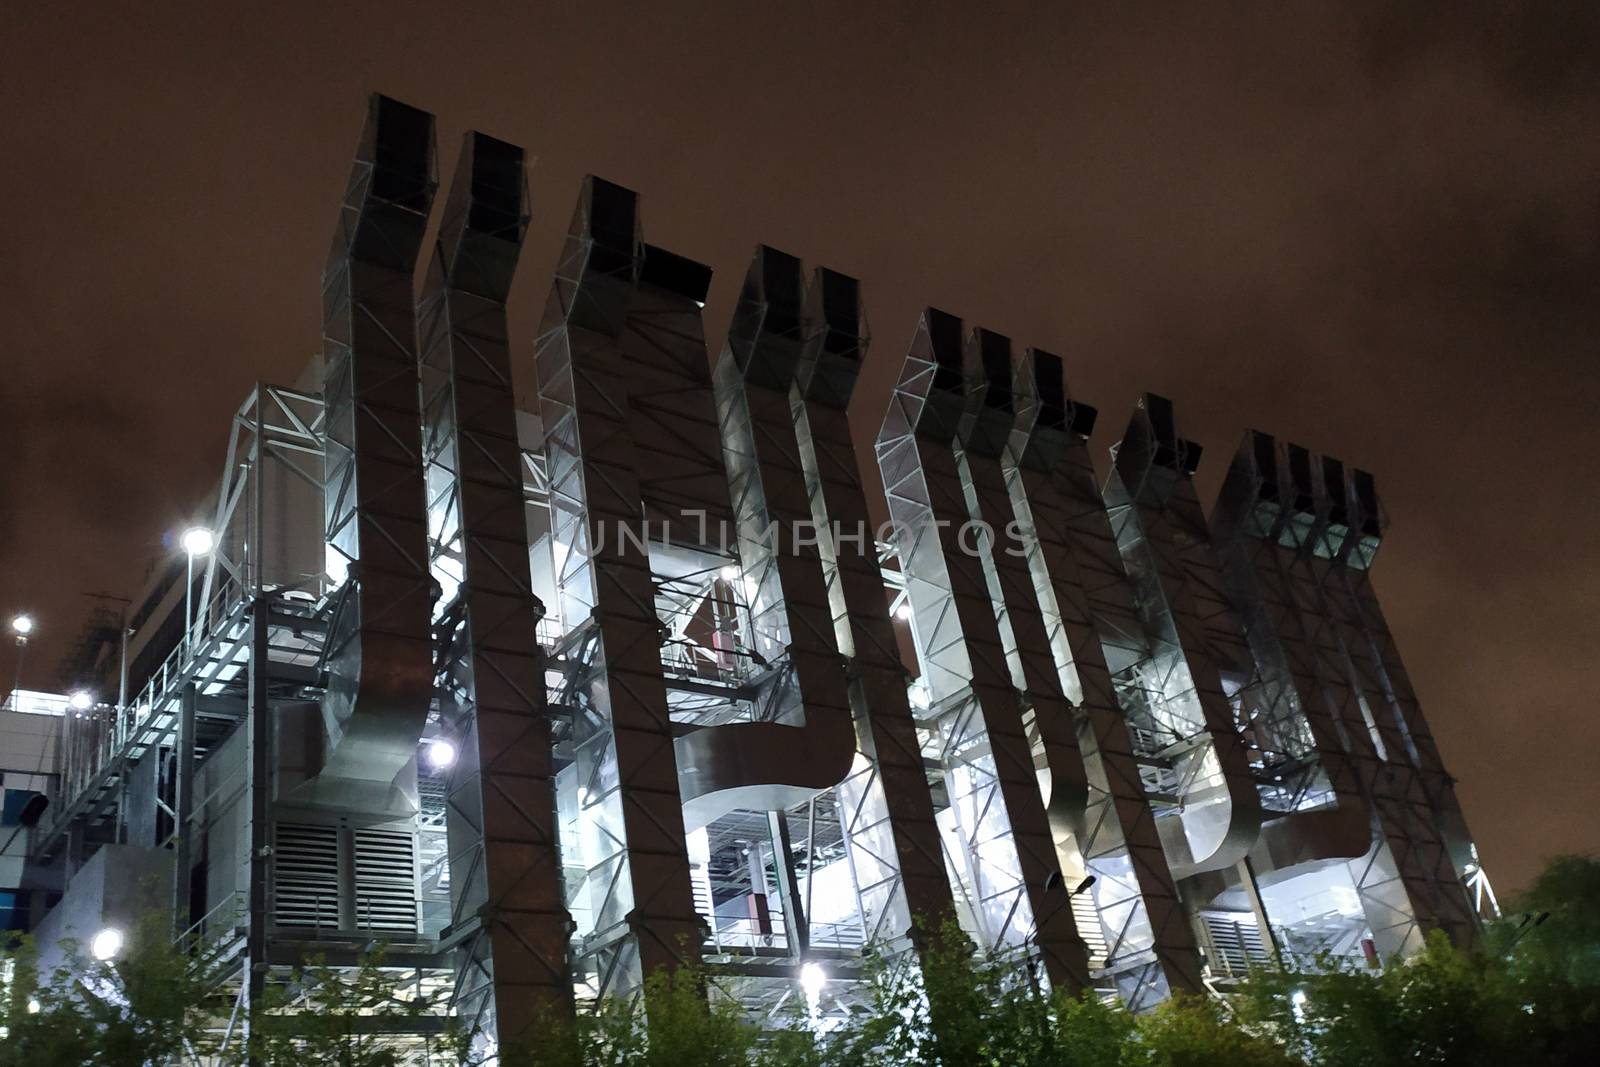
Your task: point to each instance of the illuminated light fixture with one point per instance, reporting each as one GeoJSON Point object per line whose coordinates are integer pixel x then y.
{"type": "Point", "coordinates": [441, 754]}
{"type": "Point", "coordinates": [80, 700]}
{"type": "Point", "coordinates": [903, 612]}
{"type": "Point", "coordinates": [812, 979]}
{"type": "Point", "coordinates": [198, 541]}
{"type": "Point", "coordinates": [106, 944]}
{"type": "Point", "coordinates": [729, 573]}
{"type": "Point", "coordinates": [22, 625]}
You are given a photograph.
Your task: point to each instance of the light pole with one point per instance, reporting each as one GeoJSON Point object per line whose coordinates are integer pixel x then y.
{"type": "Point", "coordinates": [21, 626]}
{"type": "Point", "coordinates": [197, 541]}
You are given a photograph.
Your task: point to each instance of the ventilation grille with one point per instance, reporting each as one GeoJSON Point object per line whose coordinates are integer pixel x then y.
{"type": "Point", "coordinates": [386, 881]}
{"type": "Point", "coordinates": [307, 876]}
{"type": "Point", "coordinates": [1235, 942]}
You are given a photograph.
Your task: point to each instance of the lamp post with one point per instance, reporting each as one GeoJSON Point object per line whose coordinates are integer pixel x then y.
{"type": "Point", "coordinates": [196, 541]}
{"type": "Point", "coordinates": [21, 626]}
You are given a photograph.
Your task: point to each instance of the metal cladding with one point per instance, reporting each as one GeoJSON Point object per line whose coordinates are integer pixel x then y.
{"type": "Point", "coordinates": [637, 884]}
{"type": "Point", "coordinates": [1260, 524]}
{"type": "Point", "coordinates": [905, 887]}
{"type": "Point", "coordinates": [987, 426]}
{"type": "Point", "coordinates": [379, 650]}
{"type": "Point", "coordinates": [1194, 639]}
{"type": "Point", "coordinates": [648, 641]}
{"type": "Point", "coordinates": [1426, 823]}
{"type": "Point", "coordinates": [1362, 610]}
{"type": "Point", "coordinates": [1084, 597]}
{"type": "Point", "coordinates": [1007, 866]}
{"type": "Point", "coordinates": [504, 854]}
{"type": "Point", "coordinates": [807, 743]}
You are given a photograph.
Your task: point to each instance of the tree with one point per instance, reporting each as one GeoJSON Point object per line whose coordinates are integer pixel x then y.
{"type": "Point", "coordinates": [145, 1006]}
{"type": "Point", "coordinates": [1529, 993]}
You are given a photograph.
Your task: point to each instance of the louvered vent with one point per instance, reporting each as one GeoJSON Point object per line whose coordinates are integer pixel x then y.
{"type": "Point", "coordinates": [307, 869]}
{"type": "Point", "coordinates": [386, 881]}
{"type": "Point", "coordinates": [1236, 942]}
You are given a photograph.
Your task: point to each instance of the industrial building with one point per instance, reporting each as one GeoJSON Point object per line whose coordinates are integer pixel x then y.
{"type": "Point", "coordinates": [652, 676]}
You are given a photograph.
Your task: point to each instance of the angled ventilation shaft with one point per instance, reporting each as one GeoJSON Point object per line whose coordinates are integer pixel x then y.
{"type": "Point", "coordinates": [379, 654]}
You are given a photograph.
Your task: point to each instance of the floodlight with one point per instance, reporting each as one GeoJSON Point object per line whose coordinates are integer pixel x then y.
{"type": "Point", "coordinates": [812, 979]}
{"type": "Point", "coordinates": [106, 944]}
{"type": "Point", "coordinates": [80, 700]}
{"type": "Point", "coordinates": [441, 754]}
{"type": "Point", "coordinates": [198, 541]}
{"type": "Point", "coordinates": [22, 625]}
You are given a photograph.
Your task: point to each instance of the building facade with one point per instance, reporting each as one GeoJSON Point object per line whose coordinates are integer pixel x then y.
{"type": "Point", "coordinates": [655, 676]}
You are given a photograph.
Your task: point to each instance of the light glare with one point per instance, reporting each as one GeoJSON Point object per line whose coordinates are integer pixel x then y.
{"type": "Point", "coordinates": [812, 979]}
{"type": "Point", "coordinates": [106, 944]}
{"type": "Point", "coordinates": [80, 700]}
{"type": "Point", "coordinates": [22, 625]}
{"type": "Point", "coordinates": [441, 753]}
{"type": "Point", "coordinates": [198, 541]}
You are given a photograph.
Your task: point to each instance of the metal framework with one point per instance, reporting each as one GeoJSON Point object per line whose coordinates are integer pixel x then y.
{"type": "Point", "coordinates": [506, 903]}
{"type": "Point", "coordinates": [636, 902]}
{"type": "Point", "coordinates": [665, 656]}
{"type": "Point", "coordinates": [888, 797]}
{"type": "Point", "coordinates": [1085, 603]}
{"type": "Point", "coordinates": [1004, 852]}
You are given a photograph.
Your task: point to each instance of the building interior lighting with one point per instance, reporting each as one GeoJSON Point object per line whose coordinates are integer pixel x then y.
{"type": "Point", "coordinates": [441, 753]}
{"type": "Point", "coordinates": [812, 979]}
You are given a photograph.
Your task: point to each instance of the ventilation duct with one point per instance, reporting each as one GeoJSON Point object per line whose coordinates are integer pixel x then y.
{"type": "Point", "coordinates": [379, 655]}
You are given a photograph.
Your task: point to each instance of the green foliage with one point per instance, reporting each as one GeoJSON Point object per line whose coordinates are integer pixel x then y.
{"type": "Point", "coordinates": [146, 1006]}
{"type": "Point", "coordinates": [1529, 993]}
{"type": "Point", "coordinates": [332, 1015]}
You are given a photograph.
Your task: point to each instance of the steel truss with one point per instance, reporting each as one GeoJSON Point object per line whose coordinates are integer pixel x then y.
{"type": "Point", "coordinates": [1004, 857]}
{"type": "Point", "coordinates": [1104, 706]}
{"type": "Point", "coordinates": [1369, 632]}
{"type": "Point", "coordinates": [1085, 610]}
{"type": "Point", "coordinates": [1347, 520]}
{"type": "Point", "coordinates": [506, 898]}
{"type": "Point", "coordinates": [1260, 530]}
{"type": "Point", "coordinates": [900, 865]}
{"type": "Point", "coordinates": [635, 871]}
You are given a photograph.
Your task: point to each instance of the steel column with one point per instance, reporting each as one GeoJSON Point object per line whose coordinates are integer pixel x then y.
{"type": "Point", "coordinates": [907, 890]}
{"type": "Point", "coordinates": [505, 863]}
{"type": "Point", "coordinates": [1087, 605]}
{"type": "Point", "coordinates": [1016, 890]}
{"type": "Point", "coordinates": [639, 879]}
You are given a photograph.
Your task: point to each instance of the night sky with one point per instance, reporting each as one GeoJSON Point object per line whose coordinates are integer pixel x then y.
{"type": "Point", "coordinates": [1362, 227]}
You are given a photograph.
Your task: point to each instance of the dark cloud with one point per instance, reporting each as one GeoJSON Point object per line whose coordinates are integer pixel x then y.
{"type": "Point", "coordinates": [1369, 227]}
